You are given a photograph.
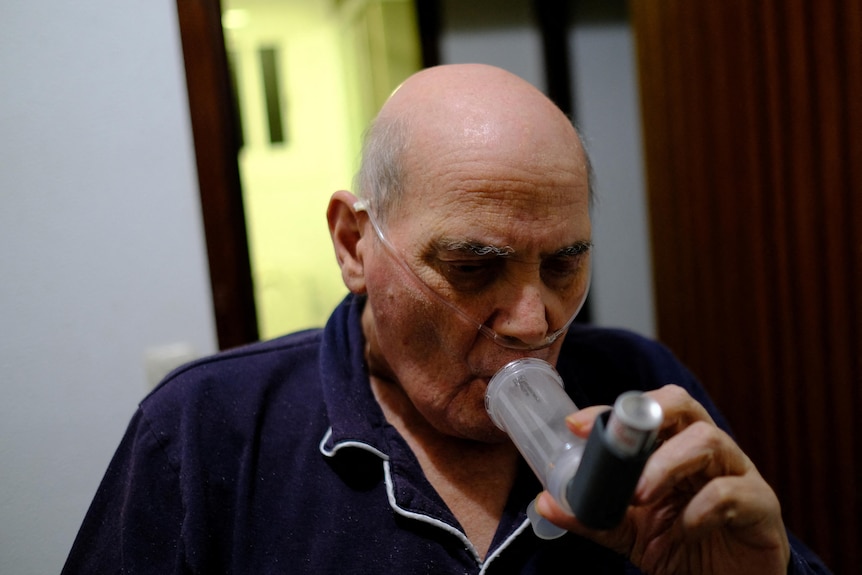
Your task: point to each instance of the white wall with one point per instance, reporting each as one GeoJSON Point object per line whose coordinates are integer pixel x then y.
{"type": "Point", "coordinates": [487, 32]}
{"type": "Point", "coordinates": [101, 250]}
{"type": "Point", "coordinates": [604, 78]}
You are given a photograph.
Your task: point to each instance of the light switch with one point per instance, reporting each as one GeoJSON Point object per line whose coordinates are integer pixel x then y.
{"type": "Point", "coordinates": [161, 360]}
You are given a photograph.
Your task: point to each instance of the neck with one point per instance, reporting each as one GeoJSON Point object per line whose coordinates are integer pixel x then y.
{"type": "Point", "coordinates": [473, 478]}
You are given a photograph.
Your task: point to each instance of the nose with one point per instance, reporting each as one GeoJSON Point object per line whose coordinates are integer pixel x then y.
{"type": "Point", "coordinates": [524, 317]}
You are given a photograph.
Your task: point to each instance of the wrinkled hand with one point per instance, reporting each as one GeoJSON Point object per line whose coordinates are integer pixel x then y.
{"type": "Point", "coordinates": [700, 507]}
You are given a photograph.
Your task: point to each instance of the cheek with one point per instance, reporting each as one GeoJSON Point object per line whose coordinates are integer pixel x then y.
{"type": "Point", "coordinates": [427, 349]}
{"type": "Point", "coordinates": [406, 318]}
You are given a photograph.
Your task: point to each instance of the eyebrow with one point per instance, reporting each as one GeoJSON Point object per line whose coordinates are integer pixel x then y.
{"type": "Point", "coordinates": [575, 249]}
{"type": "Point", "coordinates": [480, 249]}
{"type": "Point", "coordinates": [475, 248]}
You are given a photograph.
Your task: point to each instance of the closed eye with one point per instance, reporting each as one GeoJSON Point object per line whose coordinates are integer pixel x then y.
{"type": "Point", "coordinates": [560, 268]}
{"type": "Point", "coordinates": [470, 275]}
{"type": "Point", "coordinates": [470, 268]}
{"type": "Point", "coordinates": [563, 267]}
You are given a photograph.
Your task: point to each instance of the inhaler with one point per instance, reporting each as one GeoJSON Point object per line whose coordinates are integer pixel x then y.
{"type": "Point", "coordinates": [593, 479]}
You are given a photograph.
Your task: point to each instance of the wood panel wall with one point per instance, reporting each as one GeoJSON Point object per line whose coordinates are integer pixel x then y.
{"type": "Point", "coordinates": [753, 141]}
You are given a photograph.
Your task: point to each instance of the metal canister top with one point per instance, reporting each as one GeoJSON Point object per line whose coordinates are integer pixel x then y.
{"type": "Point", "coordinates": [634, 422]}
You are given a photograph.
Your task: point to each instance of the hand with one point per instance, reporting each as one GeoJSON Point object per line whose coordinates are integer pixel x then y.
{"type": "Point", "coordinates": [700, 507]}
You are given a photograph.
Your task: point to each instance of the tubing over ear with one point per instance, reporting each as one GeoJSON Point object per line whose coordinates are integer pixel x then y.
{"type": "Point", "coordinates": [345, 230]}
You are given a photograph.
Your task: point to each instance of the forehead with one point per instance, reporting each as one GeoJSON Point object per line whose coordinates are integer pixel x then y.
{"type": "Point", "coordinates": [521, 204]}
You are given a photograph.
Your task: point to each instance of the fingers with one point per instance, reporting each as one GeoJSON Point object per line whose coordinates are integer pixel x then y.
{"type": "Point", "coordinates": [548, 508]}
{"type": "Point", "coordinates": [693, 453]}
{"type": "Point", "coordinates": [618, 539]}
{"type": "Point", "coordinates": [746, 511]}
{"type": "Point", "coordinates": [689, 460]}
{"type": "Point", "coordinates": [700, 500]}
{"type": "Point", "coordinates": [680, 409]}
{"type": "Point", "coordinates": [738, 502]}
{"type": "Point", "coordinates": [581, 422]}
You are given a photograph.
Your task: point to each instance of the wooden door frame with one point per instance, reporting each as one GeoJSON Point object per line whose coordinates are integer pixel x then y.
{"type": "Point", "coordinates": [216, 145]}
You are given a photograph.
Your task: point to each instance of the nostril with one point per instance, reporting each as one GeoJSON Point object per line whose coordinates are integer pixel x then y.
{"type": "Point", "coordinates": [526, 322]}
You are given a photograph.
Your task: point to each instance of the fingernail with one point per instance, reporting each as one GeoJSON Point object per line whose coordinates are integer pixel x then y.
{"type": "Point", "coordinates": [641, 493]}
{"type": "Point", "coordinates": [542, 507]}
{"type": "Point", "coordinates": [578, 421]}
{"type": "Point", "coordinates": [640, 488]}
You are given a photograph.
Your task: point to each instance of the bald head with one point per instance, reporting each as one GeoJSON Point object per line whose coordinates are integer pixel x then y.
{"type": "Point", "coordinates": [443, 111]}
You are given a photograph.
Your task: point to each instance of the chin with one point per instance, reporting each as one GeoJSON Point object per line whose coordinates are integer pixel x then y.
{"type": "Point", "coordinates": [494, 435]}
{"type": "Point", "coordinates": [481, 429]}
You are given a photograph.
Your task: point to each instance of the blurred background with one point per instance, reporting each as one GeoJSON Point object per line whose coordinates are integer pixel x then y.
{"type": "Point", "coordinates": [166, 167]}
{"type": "Point", "coordinates": [308, 77]}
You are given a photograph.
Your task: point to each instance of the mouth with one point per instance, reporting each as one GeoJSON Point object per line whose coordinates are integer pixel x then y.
{"type": "Point", "coordinates": [492, 367]}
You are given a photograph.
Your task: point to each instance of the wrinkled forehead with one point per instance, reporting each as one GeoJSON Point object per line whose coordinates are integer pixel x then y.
{"type": "Point", "coordinates": [502, 179]}
{"type": "Point", "coordinates": [512, 214]}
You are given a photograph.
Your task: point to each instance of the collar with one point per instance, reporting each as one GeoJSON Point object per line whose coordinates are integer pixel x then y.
{"type": "Point", "coordinates": [355, 417]}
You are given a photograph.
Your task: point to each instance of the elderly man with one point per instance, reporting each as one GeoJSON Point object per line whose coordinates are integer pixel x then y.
{"type": "Point", "coordinates": [365, 447]}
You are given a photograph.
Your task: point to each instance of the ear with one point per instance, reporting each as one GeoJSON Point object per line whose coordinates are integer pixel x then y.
{"type": "Point", "coordinates": [346, 231]}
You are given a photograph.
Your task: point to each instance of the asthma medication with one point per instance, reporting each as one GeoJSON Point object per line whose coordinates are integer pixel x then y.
{"type": "Point", "coordinates": [593, 479]}
{"type": "Point", "coordinates": [617, 450]}
{"type": "Point", "coordinates": [633, 424]}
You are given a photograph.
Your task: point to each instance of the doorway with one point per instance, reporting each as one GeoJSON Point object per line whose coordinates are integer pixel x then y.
{"type": "Point", "coordinates": [307, 77]}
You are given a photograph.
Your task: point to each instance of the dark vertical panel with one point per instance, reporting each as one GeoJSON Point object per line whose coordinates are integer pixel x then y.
{"type": "Point", "coordinates": [754, 168]}
{"type": "Point", "coordinates": [428, 20]}
{"type": "Point", "coordinates": [837, 93]}
{"type": "Point", "coordinates": [654, 85]}
{"type": "Point", "coordinates": [272, 94]}
{"type": "Point", "coordinates": [239, 130]}
{"type": "Point", "coordinates": [755, 216]}
{"type": "Point", "coordinates": [781, 230]}
{"type": "Point", "coordinates": [552, 18]}
{"type": "Point", "coordinates": [779, 263]}
{"type": "Point", "coordinates": [210, 105]}
{"type": "Point", "coordinates": [804, 238]}
{"type": "Point", "coordinates": [850, 399]}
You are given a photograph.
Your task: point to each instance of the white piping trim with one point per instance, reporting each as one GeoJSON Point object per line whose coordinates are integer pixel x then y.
{"type": "Point", "coordinates": [390, 494]}
{"type": "Point", "coordinates": [337, 446]}
{"type": "Point", "coordinates": [503, 546]}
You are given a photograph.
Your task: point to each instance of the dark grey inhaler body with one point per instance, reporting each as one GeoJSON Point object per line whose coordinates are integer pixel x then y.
{"type": "Point", "coordinates": [593, 479]}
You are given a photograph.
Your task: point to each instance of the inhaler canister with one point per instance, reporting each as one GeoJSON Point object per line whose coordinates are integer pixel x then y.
{"type": "Point", "coordinates": [617, 450]}
{"type": "Point", "coordinates": [633, 424]}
